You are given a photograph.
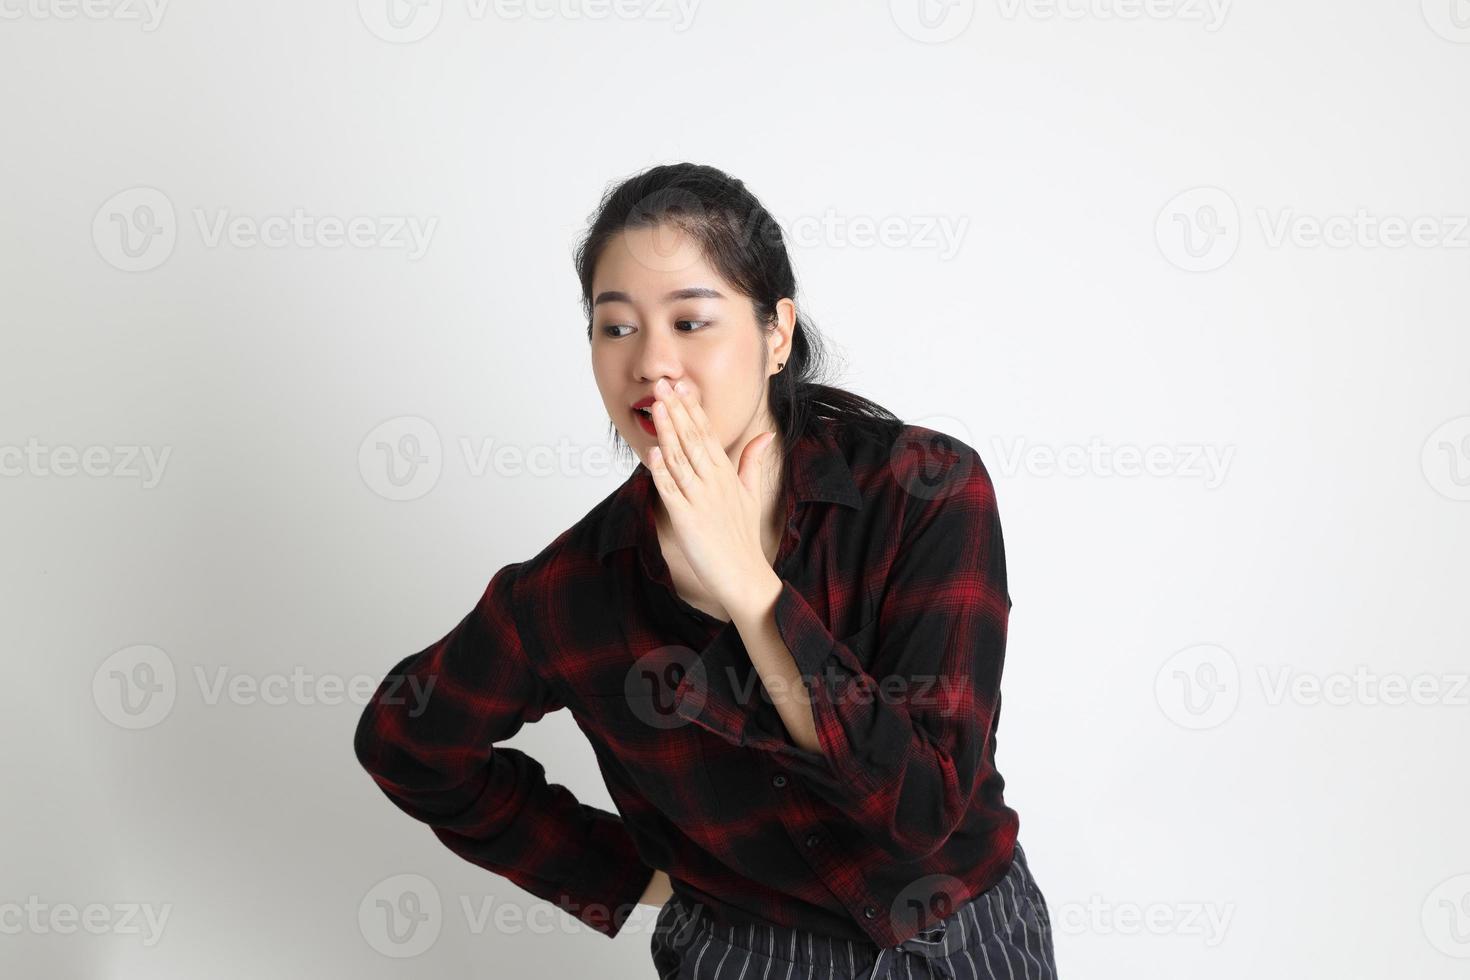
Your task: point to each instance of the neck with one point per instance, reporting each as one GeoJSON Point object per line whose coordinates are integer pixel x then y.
{"type": "Point", "coordinates": [772, 520]}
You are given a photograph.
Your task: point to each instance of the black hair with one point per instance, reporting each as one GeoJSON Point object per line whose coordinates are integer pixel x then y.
{"type": "Point", "coordinates": [744, 243]}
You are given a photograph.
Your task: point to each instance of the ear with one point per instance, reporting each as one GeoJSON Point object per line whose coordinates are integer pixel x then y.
{"type": "Point", "coordinates": [779, 337]}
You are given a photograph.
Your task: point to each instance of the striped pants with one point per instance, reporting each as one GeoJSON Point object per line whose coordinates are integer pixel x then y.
{"type": "Point", "coordinates": [1003, 933]}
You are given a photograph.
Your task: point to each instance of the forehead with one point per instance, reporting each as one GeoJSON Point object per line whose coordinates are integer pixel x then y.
{"type": "Point", "coordinates": [648, 263]}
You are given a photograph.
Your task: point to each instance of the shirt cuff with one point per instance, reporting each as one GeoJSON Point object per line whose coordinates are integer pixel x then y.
{"type": "Point", "coordinates": [722, 692]}
{"type": "Point", "coordinates": [591, 871]}
{"type": "Point", "coordinates": [615, 874]}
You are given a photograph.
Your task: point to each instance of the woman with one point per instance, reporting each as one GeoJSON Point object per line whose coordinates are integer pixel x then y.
{"type": "Point", "coordinates": [782, 635]}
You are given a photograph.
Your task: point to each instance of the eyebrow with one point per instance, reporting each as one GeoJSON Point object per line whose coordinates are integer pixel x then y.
{"type": "Point", "coordinates": [691, 292]}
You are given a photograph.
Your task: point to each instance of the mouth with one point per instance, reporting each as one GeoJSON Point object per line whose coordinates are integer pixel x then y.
{"type": "Point", "coordinates": [643, 414]}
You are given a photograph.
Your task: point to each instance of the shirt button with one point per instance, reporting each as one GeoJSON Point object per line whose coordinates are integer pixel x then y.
{"type": "Point", "coordinates": [778, 780]}
{"type": "Point", "coordinates": [813, 840]}
{"type": "Point", "coordinates": [869, 911]}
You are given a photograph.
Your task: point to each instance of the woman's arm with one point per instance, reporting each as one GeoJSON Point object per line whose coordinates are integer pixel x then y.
{"type": "Point", "coordinates": [901, 731]}
{"type": "Point", "coordinates": [428, 738]}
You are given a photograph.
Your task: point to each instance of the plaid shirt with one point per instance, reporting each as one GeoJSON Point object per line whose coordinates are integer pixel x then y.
{"type": "Point", "coordinates": [894, 606]}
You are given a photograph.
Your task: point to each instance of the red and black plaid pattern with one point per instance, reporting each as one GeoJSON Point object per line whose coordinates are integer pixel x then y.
{"type": "Point", "coordinates": [894, 606]}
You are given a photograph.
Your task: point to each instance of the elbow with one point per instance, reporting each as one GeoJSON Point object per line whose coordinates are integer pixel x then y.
{"type": "Point", "coordinates": [366, 742]}
{"type": "Point", "coordinates": [369, 738]}
{"type": "Point", "coordinates": [912, 839]}
{"type": "Point", "coordinates": [928, 804]}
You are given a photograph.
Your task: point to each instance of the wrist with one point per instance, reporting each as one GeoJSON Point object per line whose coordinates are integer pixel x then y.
{"type": "Point", "coordinates": [758, 598]}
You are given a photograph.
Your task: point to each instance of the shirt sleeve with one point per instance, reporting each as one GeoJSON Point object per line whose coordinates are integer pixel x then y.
{"type": "Point", "coordinates": [902, 728]}
{"type": "Point", "coordinates": [427, 737]}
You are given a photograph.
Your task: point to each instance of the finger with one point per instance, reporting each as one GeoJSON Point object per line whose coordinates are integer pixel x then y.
{"type": "Point", "coordinates": [663, 480]}
{"type": "Point", "coordinates": [673, 453]}
{"type": "Point", "coordinates": [702, 426]}
{"type": "Point", "coordinates": [696, 450]}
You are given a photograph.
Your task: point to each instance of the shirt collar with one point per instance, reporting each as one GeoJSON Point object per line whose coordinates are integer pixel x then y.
{"type": "Point", "coordinates": [818, 469]}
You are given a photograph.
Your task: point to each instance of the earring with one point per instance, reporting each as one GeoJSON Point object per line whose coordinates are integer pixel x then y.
{"type": "Point", "coordinates": [780, 365]}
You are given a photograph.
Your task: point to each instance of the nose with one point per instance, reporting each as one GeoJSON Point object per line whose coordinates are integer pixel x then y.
{"type": "Point", "coordinates": [657, 357]}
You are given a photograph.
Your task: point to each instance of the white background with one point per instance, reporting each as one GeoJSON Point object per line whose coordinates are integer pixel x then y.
{"type": "Point", "coordinates": [1136, 190]}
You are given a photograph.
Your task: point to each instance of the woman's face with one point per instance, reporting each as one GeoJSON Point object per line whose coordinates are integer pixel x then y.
{"type": "Point", "coordinates": [661, 311]}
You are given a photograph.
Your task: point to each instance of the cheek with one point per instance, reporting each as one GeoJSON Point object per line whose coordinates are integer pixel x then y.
{"type": "Point", "coordinates": [731, 374]}
{"type": "Point", "coordinates": [603, 374]}
{"type": "Point", "coordinates": [727, 404]}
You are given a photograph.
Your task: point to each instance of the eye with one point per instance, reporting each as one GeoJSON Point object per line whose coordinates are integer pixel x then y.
{"type": "Point", "coordinates": [699, 325]}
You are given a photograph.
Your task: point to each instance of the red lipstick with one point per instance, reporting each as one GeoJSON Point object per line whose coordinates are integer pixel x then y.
{"type": "Point", "coordinates": [645, 420]}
